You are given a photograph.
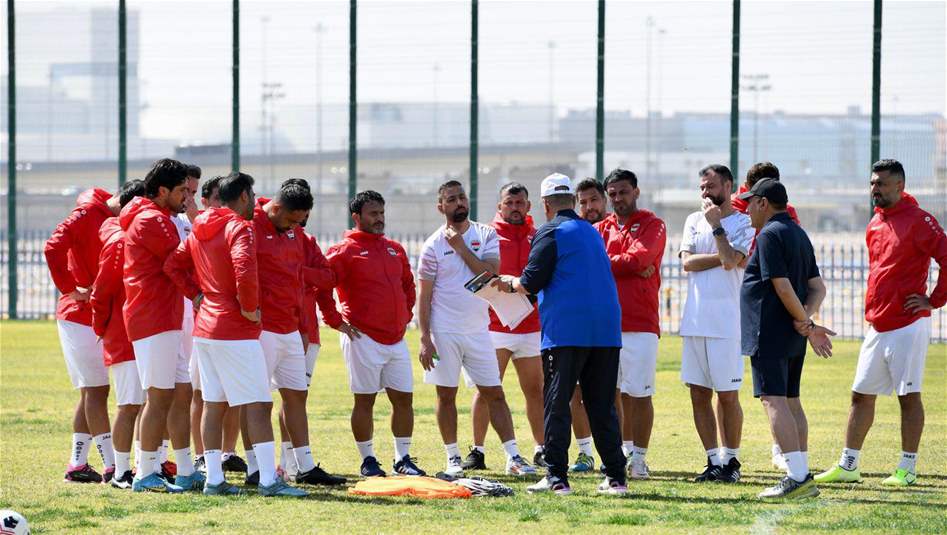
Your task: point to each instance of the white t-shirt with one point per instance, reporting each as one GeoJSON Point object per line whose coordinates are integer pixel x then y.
{"type": "Point", "coordinates": [713, 295]}
{"type": "Point", "coordinates": [183, 224]}
{"type": "Point", "coordinates": [454, 309]}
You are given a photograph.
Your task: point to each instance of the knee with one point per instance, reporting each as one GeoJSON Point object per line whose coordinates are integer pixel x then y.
{"type": "Point", "coordinates": [729, 400]}
{"type": "Point", "coordinates": [911, 403]}
{"type": "Point", "coordinates": [402, 401]}
{"type": "Point", "coordinates": [862, 400]}
{"type": "Point", "coordinates": [447, 396]}
{"type": "Point", "coordinates": [701, 395]}
{"type": "Point", "coordinates": [493, 394]}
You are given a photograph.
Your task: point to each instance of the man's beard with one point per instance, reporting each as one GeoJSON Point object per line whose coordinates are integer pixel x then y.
{"type": "Point", "coordinates": [460, 215]}
{"type": "Point", "coordinates": [718, 200]}
{"type": "Point", "coordinates": [509, 219]}
{"type": "Point", "coordinates": [593, 216]}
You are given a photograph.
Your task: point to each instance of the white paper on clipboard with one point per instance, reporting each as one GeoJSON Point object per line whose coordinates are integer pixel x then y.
{"type": "Point", "coordinates": [511, 308]}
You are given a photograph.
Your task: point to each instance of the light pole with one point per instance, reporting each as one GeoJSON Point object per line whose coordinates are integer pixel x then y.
{"type": "Point", "coordinates": [319, 29]}
{"type": "Point", "coordinates": [649, 29]}
{"type": "Point", "coordinates": [756, 83]}
{"type": "Point", "coordinates": [436, 71]}
{"type": "Point", "coordinates": [271, 92]}
{"type": "Point", "coordinates": [264, 22]}
{"type": "Point", "coordinates": [552, 92]}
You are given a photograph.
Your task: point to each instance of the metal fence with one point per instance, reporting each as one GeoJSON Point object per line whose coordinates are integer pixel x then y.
{"type": "Point", "coordinates": [844, 268]}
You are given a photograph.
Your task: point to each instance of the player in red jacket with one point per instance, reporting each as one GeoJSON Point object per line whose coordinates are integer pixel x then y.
{"type": "Point", "coordinates": [377, 293]}
{"type": "Point", "coordinates": [902, 239]}
{"type": "Point", "coordinates": [754, 174]}
{"type": "Point", "coordinates": [635, 240]}
{"type": "Point", "coordinates": [72, 255]}
{"type": "Point", "coordinates": [107, 299]}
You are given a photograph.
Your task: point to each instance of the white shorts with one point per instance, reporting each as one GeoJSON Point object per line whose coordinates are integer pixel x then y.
{"type": "Point", "coordinates": [522, 345]}
{"type": "Point", "coordinates": [83, 353]}
{"type": "Point", "coordinates": [187, 331]}
{"type": "Point", "coordinates": [128, 390]}
{"type": "Point", "coordinates": [160, 362]}
{"type": "Point", "coordinates": [374, 367]}
{"type": "Point", "coordinates": [232, 371]}
{"type": "Point", "coordinates": [312, 353]}
{"type": "Point", "coordinates": [638, 364]}
{"type": "Point", "coordinates": [712, 363]}
{"type": "Point", "coordinates": [472, 352]}
{"type": "Point", "coordinates": [193, 369]}
{"type": "Point", "coordinates": [893, 361]}
{"type": "Point", "coordinates": [285, 360]}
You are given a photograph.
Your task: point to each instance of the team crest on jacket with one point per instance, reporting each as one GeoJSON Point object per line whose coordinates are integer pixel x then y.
{"type": "Point", "coordinates": [634, 228]}
{"type": "Point", "coordinates": [475, 245]}
{"type": "Point", "coordinates": [392, 252]}
{"type": "Point", "coordinates": [290, 234]}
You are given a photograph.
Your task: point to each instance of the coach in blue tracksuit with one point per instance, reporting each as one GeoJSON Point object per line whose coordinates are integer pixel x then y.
{"type": "Point", "coordinates": [581, 334]}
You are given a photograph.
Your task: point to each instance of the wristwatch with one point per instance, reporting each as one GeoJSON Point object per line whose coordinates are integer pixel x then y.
{"type": "Point", "coordinates": [720, 231]}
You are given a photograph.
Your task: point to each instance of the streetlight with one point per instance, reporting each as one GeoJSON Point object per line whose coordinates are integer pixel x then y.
{"type": "Point", "coordinates": [271, 93]}
{"type": "Point", "coordinates": [319, 29]}
{"type": "Point", "coordinates": [756, 83]}
{"type": "Point", "coordinates": [436, 71]}
{"type": "Point", "coordinates": [551, 45]}
{"type": "Point", "coordinates": [650, 27]}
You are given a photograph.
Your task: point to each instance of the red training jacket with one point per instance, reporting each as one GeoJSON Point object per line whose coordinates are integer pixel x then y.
{"type": "Point", "coordinates": [72, 253]}
{"type": "Point", "coordinates": [317, 273]}
{"type": "Point", "coordinates": [631, 249]}
{"type": "Point", "coordinates": [280, 258]}
{"type": "Point", "coordinates": [108, 296]}
{"type": "Point", "coordinates": [901, 241]}
{"type": "Point", "coordinates": [514, 252]}
{"type": "Point", "coordinates": [221, 253]}
{"type": "Point", "coordinates": [375, 286]}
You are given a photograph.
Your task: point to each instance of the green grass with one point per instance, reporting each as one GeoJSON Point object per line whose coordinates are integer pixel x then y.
{"type": "Point", "coordinates": [35, 432]}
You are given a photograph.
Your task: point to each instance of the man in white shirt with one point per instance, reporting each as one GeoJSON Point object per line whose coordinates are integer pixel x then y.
{"type": "Point", "coordinates": [716, 240]}
{"type": "Point", "coordinates": [455, 324]}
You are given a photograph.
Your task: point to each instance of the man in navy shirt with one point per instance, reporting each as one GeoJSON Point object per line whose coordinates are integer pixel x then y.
{"type": "Point", "coordinates": [581, 336]}
{"type": "Point", "coordinates": [781, 290]}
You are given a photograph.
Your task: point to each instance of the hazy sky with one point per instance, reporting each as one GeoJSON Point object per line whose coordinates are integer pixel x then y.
{"type": "Point", "coordinates": [817, 54]}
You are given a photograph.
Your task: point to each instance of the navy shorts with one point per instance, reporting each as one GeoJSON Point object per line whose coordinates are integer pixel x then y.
{"type": "Point", "coordinates": [776, 376]}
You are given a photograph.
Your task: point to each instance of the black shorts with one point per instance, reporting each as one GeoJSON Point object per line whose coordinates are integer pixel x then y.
{"type": "Point", "coordinates": [776, 376]}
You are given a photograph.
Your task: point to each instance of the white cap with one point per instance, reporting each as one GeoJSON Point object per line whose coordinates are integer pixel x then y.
{"type": "Point", "coordinates": [556, 184]}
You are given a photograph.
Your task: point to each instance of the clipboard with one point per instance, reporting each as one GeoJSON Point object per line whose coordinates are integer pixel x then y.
{"type": "Point", "coordinates": [510, 308]}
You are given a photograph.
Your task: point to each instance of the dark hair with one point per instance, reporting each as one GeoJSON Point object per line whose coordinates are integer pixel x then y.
{"type": "Point", "coordinates": [130, 190]}
{"type": "Point", "coordinates": [233, 185]}
{"type": "Point", "coordinates": [760, 171]}
{"type": "Point", "coordinates": [514, 188]}
{"type": "Point", "coordinates": [362, 198]}
{"type": "Point", "coordinates": [890, 165]}
{"type": "Point", "coordinates": [621, 174]}
{"type": "Point", "coordinates": [294, 197]}
{"type": "Point", "coordinates": [193, 171]}
{"type": "Point", "coordinates": [719, 169]}
{"type": "Point", "coordinates": [207, 188]}
{"type": "Point", "coordinates": [165, 173]}
{"type": "Point", "coordinates": [296, 182]}
{"type": "Point", "coordinates": [590, 183]}
{"type": "Point", "coordinates": [449, 184]}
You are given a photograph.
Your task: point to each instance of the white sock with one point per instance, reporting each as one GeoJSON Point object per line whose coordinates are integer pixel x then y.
{"type": "Point", "coordinates": [539, 448]}
{"type": "Point", "coordinates": [638, 454]}
{"type": "Point", "coordinates": [227, 454]}
{"type": "Point", "coordinates": [798, 467]}
{"type": "Point", "coordinates": [776, 451]}
{"type": "Point", "coordinates": [729, 453]}
{"type": "Point", "coordinates": [805, 457]}
{"type": "Point", "coordinates": [147, 464]}
{"type": "Point", "coordinates": [303, 456]}
{"type": "Point", "coordinates": [585, 445]}
{"type": "Point", "coordinates": [163, 451]}
{"type": "Point", "coordinates": [452, 451]}
{"type": "Point", "coordinates": [402, 447]}
{"type": "Point", "coordinates": [215, 469]}
{"type": "Point", "coordinates": [908, 462]}
{"type": "Point", "coordinates": [366, 449]}
{"type": "Point", "coordinates": [122, 462]}
{"type": "Point", "coordinates": [185, 462]}
{"type": "Point", "coordinates": [627, 446]}
{"type": "Point", "coordinates": [103, 443]}
{"type": "Point", "coordinates": [286, 460]}
{"type": "Point", "coordinates": [251, 461]}
{"type": "Point", "coordinates": [481, 449]}
{"type": "Point", "coordinates": [80, 449]}
{"type": "Point", "coordinates": [849, 459]}
{"type": "Point", "coordinates": [714, 455]}
{"type": "Point", "coordinates": [137, 450]}
{"type": "Point", "coordinates": [511, 449]}
{"type": "Point", "coordinates": [266, 458]}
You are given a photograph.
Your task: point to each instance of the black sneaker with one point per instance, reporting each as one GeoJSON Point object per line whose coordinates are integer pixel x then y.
{"type": "Point", "coordinates": [124, 482]}
{"type": "Point", "coordinates": [318, 476]}
{"type": "Point", "coordinates": [711, 473]}
{"type": "Point", "coordinates": [252, 480]}
{"type": "Point", "coordinates": [234, 464]}
{"type": "Point", "coordinates": [200, 465]}
{"type": "Point", "coordinates": [730, 472]}
{"type": "Point", "coordinates": [539, 461]}
{"type": "Point", "coordinates": [406, 467]}
{"type": "Point", "coordinates": [475, 460]}
{"type": "Point", "coordinates": [371, 468]}
{"type": "Point", "coordinates": [82, 474]}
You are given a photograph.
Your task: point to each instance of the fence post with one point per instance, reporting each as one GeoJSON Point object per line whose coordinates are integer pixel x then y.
{"type": "Point", "coordinates": [122, 96]}
{"type": "Point", "coordinates": [11, 163]}
{"type": "Point", "coordinates": [875, 92]}
{"type": "Point", "coordinates": [353, 104]}
{"type": "Point", "coordinates": [600, 97]}
{"type": "Point", "coordinates": [735, 94]}
{"type": "Point", "coordinates": [235, 97]}
{"type": "Point", "coordinates": [474, 109]}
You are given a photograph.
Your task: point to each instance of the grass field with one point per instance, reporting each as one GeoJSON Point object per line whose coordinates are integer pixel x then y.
{"type": "Point", "coordinates": [36, 401]}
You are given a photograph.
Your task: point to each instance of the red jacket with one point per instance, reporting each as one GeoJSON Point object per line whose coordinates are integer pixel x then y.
{"type": "Point", "coordinates": [72, 253]}
{"type": "Point", "coordinates": [317, 273]}
{"type": "Point", "coordinates": [221, 253]}
{"type": "Point", "coordinates": [631, 249]}
{"type": "Point", "coordinates": [108, 295]}
{"type": "Point", "coordinates": [375, 286]}
{"type": "Point", "coordinates": [152, 303]}
{"type": "Point", "coordinates": [901, 241]}
{"type": "Point", "coordinates": [741, 206]}
{"type": "Point", "coordinates": [514, 252]}
{"type": "Point", "coordinates": [280, 257]}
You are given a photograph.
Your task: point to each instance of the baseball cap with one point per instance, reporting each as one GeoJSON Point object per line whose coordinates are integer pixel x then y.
{"type": "Point", "coordinates": [556, 184]}
{"type": "Point", "coordinates": [769, 188]}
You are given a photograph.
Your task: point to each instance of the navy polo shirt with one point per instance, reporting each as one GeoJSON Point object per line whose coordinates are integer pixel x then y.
{"type": "Point", "coordinates": [571, 274]}
{"type": "Point", "coordinates": [783, 250]}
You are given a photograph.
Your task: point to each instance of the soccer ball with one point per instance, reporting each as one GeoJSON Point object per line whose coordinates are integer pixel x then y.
{"type": "Point", "coordinates": [13, 523]}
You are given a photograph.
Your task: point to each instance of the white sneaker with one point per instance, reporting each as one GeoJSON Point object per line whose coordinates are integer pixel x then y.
{"type": "Point", "coordinates": [454, 468]}
{"type": "Point", "coordinates": [779, 463]}
{"type": "Point", "coordinates": [550, 484]}
{"type": "Point", "coordinates": [638, 469]}
{"type": "Point", "coordinates": [613, 487]}
{"type": "Point", "coordinates": [518, 466]}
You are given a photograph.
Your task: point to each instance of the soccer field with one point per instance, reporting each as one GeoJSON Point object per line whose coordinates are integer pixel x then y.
{"type": "Point", "coordinates": [37, 402]}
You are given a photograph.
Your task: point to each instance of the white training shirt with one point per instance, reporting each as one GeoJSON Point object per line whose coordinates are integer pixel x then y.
{"type": "Point", "coordinates": [183, 224]}
{"type": "Point", "coordinates": [713, 295]}
{"type": "Point", "coordinates": [454, 309]}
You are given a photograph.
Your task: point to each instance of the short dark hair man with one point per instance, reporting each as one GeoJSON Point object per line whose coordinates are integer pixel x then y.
{"type": "Point", "coordinates": [754, 174]}
{"type": "Point", "coordinates": [590, 200]}
{"type": "Point", "coordinates": [210, 197]}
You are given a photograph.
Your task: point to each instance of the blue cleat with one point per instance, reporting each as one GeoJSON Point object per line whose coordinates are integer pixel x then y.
{"type": "Point", "coordinates": [155, 483]}
{"type": "Point", "coordinates": [194, 481]}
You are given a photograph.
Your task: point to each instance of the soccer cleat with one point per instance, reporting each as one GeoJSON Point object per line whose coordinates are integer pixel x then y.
{"type": "Point", "coordinates": [195, 481]}
{"type": "Point", "coordinates": [234, 463]}
{"type": "Point", "coordinates": [638, 469]}
{"type": "Point", "coordinates": [221, 489]}
{"type": "Point", "coordinates": [711, 473]}
{"type": "Point", "coordinates": [406, 467]}
{"type": "Point", "coordinates": [550, 484]}
{"type": "Point", "coordinates": [612, 486]}
{"type": "Point", "coordinates": [108, 474]}
{"type": "Point", "coordinates": [252, 480]}
{"type": "Point", "coordinates": [82, 474]}
{"type": "Point", "coordinates": [155, 483]}
{"type": "Point", "coordinates": [900, 478]}
{"type": "Point", "coordinates": [730, 472]}
{"type": "Point", "coordinates": [280, 488]}
{"type": "Point", "coordinates": [475, 460]}
{"type": "Point", "coordinates": [517, 466]}
{"type": "Point", "coordinates": [124, 482]}
{"type": "Point", "coordinates": [200, 465]}
{"type": "Point", "coordinates": [583, 463]}
{"type": "Point", "coordinates": [318, 476]}
{"type": "Point", "coordinates": [539, 461]}
{"type": "Point", "coordinates": [371, 468]}
{"type": "Point", "coordinates": [837, 474]}
{"type": "Point", "coordinates": [168, 471]}
{"type": "Point", "coordinates": [790, 489]}
{"type": "Point", "coordinates": [454, 467]}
